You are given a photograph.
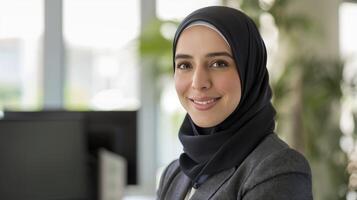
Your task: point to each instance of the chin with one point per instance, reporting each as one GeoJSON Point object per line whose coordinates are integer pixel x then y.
{"type": "Point", "coordinates": [204, 123]}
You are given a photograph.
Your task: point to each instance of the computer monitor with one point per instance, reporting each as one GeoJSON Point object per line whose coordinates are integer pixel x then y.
{"type": "Point", "coordinates": [43, 159]}
{"type": "Point", "coordinates": [113, 130]}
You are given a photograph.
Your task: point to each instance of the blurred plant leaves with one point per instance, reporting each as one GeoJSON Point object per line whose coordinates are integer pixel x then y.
{"type": "Point", "coordinates": [154, 46]}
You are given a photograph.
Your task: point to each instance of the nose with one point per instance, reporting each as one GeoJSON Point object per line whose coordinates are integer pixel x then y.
{"type": "Point", "coordinates": [201, 79]}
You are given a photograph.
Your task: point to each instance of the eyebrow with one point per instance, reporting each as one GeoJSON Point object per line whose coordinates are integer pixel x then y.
{"type": "Point", "coordinates": [209, 55]}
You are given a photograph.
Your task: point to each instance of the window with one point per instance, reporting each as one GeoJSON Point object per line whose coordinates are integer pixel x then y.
{"type": "Point", "coordinates": [21, 31]}
{"type": "Point", "coordinates": [348, 41]}
{"type": "Point", "coordinates": [101, 60]}
{"type": "Point", "coordinates": [169, 10]}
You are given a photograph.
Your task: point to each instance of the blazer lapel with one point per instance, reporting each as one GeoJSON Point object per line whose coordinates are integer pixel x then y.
{"type": "Point", "coordinates": [210, 187]}
{"type": "Point", "coordinates": [178, 188]}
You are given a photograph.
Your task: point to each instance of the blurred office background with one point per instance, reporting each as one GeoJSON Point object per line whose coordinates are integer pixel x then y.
{"type": "Point", "coordinates": [112, 55]}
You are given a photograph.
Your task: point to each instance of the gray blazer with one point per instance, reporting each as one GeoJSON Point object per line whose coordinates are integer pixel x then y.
{"type": "Point", "coordinates": [273, 171]}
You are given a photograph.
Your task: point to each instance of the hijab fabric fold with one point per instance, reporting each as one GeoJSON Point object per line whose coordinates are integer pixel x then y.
{"type": "Point", "coordinates": [208, 151]}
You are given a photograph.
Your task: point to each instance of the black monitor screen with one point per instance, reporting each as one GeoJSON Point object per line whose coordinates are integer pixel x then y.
{"type": "Point", "coordinates": [42, 159]}
{"type": "Point", "coordinates": [115, 131]}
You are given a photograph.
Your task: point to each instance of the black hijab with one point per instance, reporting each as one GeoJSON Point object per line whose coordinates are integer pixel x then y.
{"type": "Point", "coordinates": [212, 150]}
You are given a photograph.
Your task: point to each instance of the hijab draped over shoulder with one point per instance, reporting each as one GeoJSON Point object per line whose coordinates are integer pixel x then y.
{"type": "Point", "coordinates": [208, 151]}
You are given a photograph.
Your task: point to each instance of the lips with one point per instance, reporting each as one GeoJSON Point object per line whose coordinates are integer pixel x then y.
{"type": "Point", "coordinates": [204, 103]}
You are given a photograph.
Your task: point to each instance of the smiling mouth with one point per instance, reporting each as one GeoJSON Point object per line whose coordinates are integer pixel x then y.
{"type": "Point", "coordinates": [204, 103]}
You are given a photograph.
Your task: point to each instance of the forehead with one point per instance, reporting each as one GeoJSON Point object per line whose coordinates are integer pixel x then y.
{"type": "Point", "coordinates": [201, 39]}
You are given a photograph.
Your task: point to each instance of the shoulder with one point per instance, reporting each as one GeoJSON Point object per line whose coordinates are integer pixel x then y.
{"type": "Point", "coordinates": [170, 171]}
{"type": "Point", "coordinates": [277, 166]}
{"type": "Point", "coordinates": [171, 168]}
{"type": "Point", "coordinates": [174, 183]}
{"type": "Point", "coordinates": [284, 162]}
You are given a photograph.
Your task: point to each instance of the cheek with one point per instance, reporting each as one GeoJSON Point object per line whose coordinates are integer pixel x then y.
{"type": "Point", "coordinates": [180, 85]}
{"type": "Point", "coordinates": [232, 89]}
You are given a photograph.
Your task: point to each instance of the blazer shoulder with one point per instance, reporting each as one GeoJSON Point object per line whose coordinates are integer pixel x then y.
{"type": "Point", "coordinates": [286, 161]}
{"type": "Point", "coordinates": [172, 168]}
{"type": "Point", "coordinates": [170, 171]}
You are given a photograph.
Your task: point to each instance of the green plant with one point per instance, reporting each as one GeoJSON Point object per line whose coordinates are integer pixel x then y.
{"type": "Point", "coordinates": [157, 48]}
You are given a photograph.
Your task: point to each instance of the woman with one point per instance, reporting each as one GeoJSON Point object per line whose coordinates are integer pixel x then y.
{"type": "Point", "coordinates": [230, 149]}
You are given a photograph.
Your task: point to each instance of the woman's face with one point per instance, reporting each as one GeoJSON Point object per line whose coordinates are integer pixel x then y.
{"type": "Point", "coordinates": [206, 78]}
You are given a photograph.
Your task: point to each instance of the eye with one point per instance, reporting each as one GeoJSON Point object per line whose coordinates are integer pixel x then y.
{"type": "Point", "coordinates": [183, 66]}
{"type": "Point", "coordinates": [219, 64]}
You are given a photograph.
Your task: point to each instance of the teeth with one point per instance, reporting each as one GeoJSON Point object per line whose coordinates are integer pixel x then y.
{"type": "Point", "coordinates": [204, 102]}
